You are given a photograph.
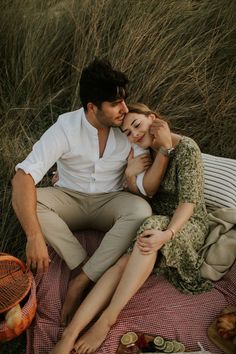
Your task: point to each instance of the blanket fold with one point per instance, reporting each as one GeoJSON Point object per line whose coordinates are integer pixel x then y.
{"type": "Point", "coordinates": [219, 250]}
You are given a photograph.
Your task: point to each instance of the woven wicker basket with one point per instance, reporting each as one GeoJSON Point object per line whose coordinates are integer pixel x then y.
{"type": "Point", "coordinates": [17, 286]}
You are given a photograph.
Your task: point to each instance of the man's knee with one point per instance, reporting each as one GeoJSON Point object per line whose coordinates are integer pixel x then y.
{"type": "Point", "coordinates": [141, 208]}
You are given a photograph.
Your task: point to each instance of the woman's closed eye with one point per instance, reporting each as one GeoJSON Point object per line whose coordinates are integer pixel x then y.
{"type": "Point", "coordinates": [135, 127]}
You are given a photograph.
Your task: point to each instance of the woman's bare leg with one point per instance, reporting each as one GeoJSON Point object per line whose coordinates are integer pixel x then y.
{"type": "Point", "coordinates": [136, 272]}
{"type": "Point", "coordinates": [95, 301]}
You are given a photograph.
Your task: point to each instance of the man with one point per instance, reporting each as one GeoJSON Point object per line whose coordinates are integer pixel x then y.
{"type": "Point", "coordinates": [91, 156]}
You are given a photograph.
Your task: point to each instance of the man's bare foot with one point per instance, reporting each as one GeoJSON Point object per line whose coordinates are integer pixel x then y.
{"type": "Point", "coordinates": [73, 297]}
{"type": "Point", "coordinates": [64, 346]}
{"type": "Point", "coordinates": [93, 338]}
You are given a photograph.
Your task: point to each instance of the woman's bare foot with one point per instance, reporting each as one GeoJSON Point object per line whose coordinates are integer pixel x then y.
{"type": "Point", "coordinates": [73, 297]}
{"type": "Point", "coordinates": [93, 338]}
{"type": "Point", "coordinates": [64, 346]}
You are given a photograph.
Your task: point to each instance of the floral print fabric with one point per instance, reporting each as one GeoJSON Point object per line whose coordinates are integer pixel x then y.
{"type": "Point", "coordinates": [178, 259]}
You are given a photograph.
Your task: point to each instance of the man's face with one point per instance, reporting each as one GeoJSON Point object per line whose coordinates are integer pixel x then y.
{"type": "Point", "coordinates": [111, 114]}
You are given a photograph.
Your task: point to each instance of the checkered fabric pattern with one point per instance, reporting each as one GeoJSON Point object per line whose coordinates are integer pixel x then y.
{"type": "Point", "coordinates": [157, 309]}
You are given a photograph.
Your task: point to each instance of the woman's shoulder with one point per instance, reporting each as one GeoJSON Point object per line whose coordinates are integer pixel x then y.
{"type": "Point", "coordinates": [188, 144]}
{"type": "Point", "coordinates": [188, 148]}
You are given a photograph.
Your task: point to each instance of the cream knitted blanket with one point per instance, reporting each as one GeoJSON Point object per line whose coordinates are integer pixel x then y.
{"type": "Point", "coordinates": [219, 250]}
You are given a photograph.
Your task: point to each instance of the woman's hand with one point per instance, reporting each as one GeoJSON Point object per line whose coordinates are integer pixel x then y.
{"type": "Point", "coordinates": [151, 241]}
{"type": "Point", "coordinates": [137, 164]}
{"type": "Point", "coordinates": [161, 133]}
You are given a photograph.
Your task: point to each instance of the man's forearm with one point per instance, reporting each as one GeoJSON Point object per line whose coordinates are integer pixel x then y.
{"type": "Point", "coordinates": [131, 183]}
{"type": "Point", "coordinates": [24, 203]}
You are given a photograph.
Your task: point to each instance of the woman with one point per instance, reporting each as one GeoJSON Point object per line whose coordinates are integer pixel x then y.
{"type": "Point", "coordinates": [167, 242]}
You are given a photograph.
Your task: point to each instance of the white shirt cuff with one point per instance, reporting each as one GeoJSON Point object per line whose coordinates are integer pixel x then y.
{"type": "Point", "coordinates": [139, 183]}
{"type": "Point", "coordinates": [29, 171]}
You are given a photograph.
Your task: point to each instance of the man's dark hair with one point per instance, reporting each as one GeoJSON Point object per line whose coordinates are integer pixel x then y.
{"type": "Point", "coordinates": [99, 82]}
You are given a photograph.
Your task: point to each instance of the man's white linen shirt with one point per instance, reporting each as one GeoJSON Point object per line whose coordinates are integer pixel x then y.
{"type": "Point", "coordinates": [72, 142]}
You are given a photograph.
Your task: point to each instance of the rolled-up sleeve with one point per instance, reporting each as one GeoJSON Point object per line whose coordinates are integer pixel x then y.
{"type": "Point", "coordinates": [46, 151]}
{"type": "Point", "coordinates": [139, 179]}
{"type": "Point", "coordinates": [139, 183]}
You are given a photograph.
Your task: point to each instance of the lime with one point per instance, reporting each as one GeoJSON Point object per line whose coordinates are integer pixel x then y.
{"type": "Point", "coordinates": [169, 347]}
{"type": "Point", "coordinates": [176, 346]}
{"type": "Point", "coordinates": [161, 347]}
{"type": "Point", "coordinates": [181, 347]}
{"type": "Point", "coordinates": [129, 338]}
{"type": "Point", "coordinates": [158, 341]}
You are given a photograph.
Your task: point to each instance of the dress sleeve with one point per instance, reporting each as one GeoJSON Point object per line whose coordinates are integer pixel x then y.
{"type": "Point", "coordinates": [190, 173]}
{"type": "Point", "coordinates": [46, 151]}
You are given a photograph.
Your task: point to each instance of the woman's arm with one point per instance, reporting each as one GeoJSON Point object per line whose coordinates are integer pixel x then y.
{"type": "Point", "coordinates": [190, 192]}
{"type": "Point", "coordinates": [155, 171]}
{"type": "Point", "coordinates": [181, 215]}
{"type": "Point", "coordinates": [152, 240]}
{"type": "Point", "coordinates": [155, 174]}
{"type": "Point", "coordinates": [161, 138]}
{"type": "Point", "coordinates": [135, 166]}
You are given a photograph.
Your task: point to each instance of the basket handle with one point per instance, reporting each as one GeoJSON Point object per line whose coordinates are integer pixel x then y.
{"type": "Point", "coordinates": [9, 257]}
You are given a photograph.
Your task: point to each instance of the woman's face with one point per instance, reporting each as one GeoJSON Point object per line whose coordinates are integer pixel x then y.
{"type": "Point", "coordinates": [136, 127]}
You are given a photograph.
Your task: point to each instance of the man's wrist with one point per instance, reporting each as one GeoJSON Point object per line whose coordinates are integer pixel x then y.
{"type": "Point", "coordinates": [34, 236]}
{"type": "Point", "coordinates": [129, 175]}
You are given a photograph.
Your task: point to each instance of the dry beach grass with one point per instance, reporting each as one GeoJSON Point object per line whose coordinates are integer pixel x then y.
{"type": "Point", "coordinates": [180, 55]}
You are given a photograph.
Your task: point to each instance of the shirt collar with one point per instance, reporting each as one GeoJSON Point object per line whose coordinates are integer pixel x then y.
{"type": "Point", "coordinates": [86, 123]}
{"type": "Point", "coordinates": [111, 141]}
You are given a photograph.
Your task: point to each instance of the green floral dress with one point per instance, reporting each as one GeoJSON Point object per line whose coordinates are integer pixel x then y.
{"type": "Point", "coordinates": [178, 259]}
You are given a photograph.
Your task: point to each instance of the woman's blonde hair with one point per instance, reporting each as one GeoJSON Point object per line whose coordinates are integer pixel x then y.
{"type": "Point", "coordinates": [141, 108]}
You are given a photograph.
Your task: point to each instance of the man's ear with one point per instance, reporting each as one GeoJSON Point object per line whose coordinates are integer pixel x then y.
{"type": "Point", "coordinates": [91, 108]}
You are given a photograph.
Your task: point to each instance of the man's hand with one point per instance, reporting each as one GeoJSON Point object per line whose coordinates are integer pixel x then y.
{"type": "Point", "coordinates": [137, 164]}
{"type": "Point", "coordinates": [24, 201]}
{"type": "Point", "coordinates": [55, 177]}
{"type": "Point", "coordinates": [151, 241]}
{"type": "Point", "coordinates": [37, 254]}
{"type": "Point", "coordinates": [161, 133]}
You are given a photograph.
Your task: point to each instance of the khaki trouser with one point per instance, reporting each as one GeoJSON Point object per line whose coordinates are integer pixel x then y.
{"type": "Point", "coordinates": [62, 211]}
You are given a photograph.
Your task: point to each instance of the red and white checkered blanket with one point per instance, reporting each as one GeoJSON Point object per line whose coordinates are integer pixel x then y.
{"type": "Point", "coordinates": [157, 309]}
